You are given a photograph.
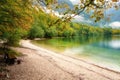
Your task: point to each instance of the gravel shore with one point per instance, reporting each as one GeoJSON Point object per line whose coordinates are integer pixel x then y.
{"type": "Point", "coordinates": [41, 64]}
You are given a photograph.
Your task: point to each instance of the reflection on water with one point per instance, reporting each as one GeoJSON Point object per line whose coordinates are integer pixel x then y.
{"type": "Point", "coordinates": [115, 44]}
{"type": "Point", "coordinates": [103, 51]}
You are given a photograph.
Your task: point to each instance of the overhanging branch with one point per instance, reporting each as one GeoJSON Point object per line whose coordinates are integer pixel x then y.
{"type": "Point", "coordinates": [79, 11]}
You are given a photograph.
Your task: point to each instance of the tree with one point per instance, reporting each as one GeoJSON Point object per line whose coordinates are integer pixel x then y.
{"type": "Point", "coordinates": [36, 32]}
{"type": "Point", "coordinates": [14, 14]}
{"type": "Point", "coordinates": [95, 7]}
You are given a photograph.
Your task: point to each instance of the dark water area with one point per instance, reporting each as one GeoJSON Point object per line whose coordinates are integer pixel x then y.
{"type": "Point", "coordinates": [103, 51]}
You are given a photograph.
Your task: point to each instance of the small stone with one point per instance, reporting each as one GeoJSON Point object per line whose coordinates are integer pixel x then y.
{"type": "Point", "coordinates": [7, 76]}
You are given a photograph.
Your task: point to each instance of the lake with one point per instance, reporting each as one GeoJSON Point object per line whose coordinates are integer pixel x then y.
{"type": "Point", "coordinates": [103, 51]}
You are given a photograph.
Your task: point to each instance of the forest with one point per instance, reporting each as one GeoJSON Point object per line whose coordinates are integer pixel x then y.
{"type": "Point", "coordinates": [22, 20]}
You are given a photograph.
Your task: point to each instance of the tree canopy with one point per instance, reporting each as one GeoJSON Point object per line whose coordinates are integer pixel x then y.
{"type": "Point", "coordinates": [95, 7]}
{"type": "Point", "coordinates": [14, 14]}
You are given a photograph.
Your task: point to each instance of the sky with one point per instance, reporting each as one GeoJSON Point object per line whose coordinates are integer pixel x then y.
{"type": "Point", "coordinates": [75, 1]}
{"type": "Point", "coordinates": [114, 19]}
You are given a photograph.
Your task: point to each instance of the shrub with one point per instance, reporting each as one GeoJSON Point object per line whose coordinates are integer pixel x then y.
{"type": "Point", "coordinates": [36, 32]}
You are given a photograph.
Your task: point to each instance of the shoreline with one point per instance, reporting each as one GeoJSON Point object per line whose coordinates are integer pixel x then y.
{"type": "Point", "coordinates": [82, 58]}
{"type": "Point", "coordinates": [93, 62]}
{"type": "Point", "coordinates": [75, 69]}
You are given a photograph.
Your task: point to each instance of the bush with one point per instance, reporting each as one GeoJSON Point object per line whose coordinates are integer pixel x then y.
{"type": "Point", "coordinates": [69, 32]}
{"type": "Point", "coordinates": [12, 38]}
{"type": "Point", "coordinates": [51, 32]}
{"type": "Point", "coordinates": [36, 32]}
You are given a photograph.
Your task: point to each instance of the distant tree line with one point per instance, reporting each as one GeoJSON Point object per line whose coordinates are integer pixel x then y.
{"type": "Point", "coordinates": [41, 28]}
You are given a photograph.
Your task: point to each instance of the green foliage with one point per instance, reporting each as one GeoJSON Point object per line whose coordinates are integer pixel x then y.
{"type": "Point", "coordinates": [42, 28]}
{"type": "Point", "coordinates": [95, 8]}
{"type": "Point", "coordinates": [14, 14]}
{"type": "Point", "coordinates": [36, 32]}
{"type": "Point", "coordinates": [107, 31]}
{"type": "Point", "coordinates": [69, 32]}
{"type": "Point", "coordinates": [12, 38]}
{"type": "Point", "coordinates": [116, 31]}
{"type": "Point", "coordinates": [51, 32]}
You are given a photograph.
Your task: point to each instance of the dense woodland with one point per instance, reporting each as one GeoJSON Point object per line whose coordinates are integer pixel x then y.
{"type": "Point", "coordinates": [41, 28]}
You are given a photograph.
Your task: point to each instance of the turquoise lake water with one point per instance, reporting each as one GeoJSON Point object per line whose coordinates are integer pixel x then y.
{"type": "Point", "coordinates": [103, 51]}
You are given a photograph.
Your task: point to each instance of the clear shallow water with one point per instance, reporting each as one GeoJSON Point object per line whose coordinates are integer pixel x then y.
{"type": "Point", "coordinates": [103, 51]}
